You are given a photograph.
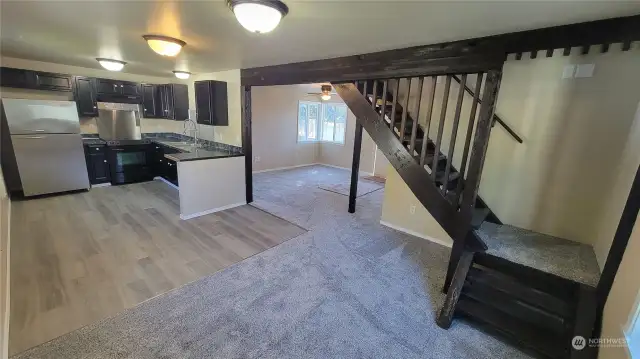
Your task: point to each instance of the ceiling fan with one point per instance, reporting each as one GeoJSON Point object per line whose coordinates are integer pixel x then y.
{"type": "Point", "coordinates": [325, 92]}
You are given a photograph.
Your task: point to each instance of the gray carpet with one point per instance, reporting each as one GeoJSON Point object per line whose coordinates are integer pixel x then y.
{"type": "Point", "coordinates": [348, 288]}
{"type": "Point", "coordinates": [344, 188]}
{"type": "Point", "coordinates": [564, 258]}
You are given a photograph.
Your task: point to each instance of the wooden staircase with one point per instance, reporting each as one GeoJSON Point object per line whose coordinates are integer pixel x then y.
{"type": "Point", "coordinates": [534, 308]}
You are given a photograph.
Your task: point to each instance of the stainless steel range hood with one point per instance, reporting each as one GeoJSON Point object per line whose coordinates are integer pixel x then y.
{"type": "Point", "coordinates": [119, 121]}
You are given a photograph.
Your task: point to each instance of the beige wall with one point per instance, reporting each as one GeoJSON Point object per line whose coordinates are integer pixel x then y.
{"type": "Point", "coordinates": [561, 178]}
{"type": "Point", "coordinates": [274, 128]}
{"type": "Point", "coordinates": [200, 195]}
{"type": "Point", "coordinates": [274, 131]}
{"type": "Point", "coordinates": [396, 211]}
{"type": "Point", "coordinates": [5, 219]}
{"type": "Point", "coordinates": [226, 134]}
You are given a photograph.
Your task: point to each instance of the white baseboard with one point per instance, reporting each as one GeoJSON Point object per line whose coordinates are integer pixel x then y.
{"type": "Point", "coordinates": [106, 184]}
{"type": "Point", "coordinates": [209, 211]}
{"type": "Point", "coordinates": [285, 168]}
{"type": "Point", "coordinates": [345, 168]}
{"type": "Point", "coordinates": [416, 234]}
{"type": "Point", "coordinates": [362, 173]}
{"type": "Point", "coordinates": [167, 182]}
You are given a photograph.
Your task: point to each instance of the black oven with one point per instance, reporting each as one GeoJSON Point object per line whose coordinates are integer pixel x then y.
{"type": "Point", "coordinates": [129, 163]}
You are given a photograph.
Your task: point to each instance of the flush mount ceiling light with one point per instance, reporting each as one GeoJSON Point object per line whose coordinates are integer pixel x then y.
{"type": "Point", "coordinates": [259, 16]}
{"type": "Point", "coordinates": [111, 65]}
{"type": "Point", "coordinates": [182, 74]}
{"type": "Point", "coordinates": [164, 45]}
{"type": "Point", "coordinates": [326, 92]}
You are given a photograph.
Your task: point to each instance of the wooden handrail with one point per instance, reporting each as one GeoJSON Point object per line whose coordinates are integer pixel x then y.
{"type": "Point", "coordinates": [496, 118]}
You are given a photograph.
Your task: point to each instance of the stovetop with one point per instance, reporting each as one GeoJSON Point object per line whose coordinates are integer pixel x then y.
{"type": "Point", "coordinates": [128, 142]}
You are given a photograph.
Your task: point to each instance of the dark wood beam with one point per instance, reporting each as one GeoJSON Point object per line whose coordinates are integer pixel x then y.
{"type": "Point", "coordinates": [466, 56]}
{"type": "Point", "coordinates": [246, 141]}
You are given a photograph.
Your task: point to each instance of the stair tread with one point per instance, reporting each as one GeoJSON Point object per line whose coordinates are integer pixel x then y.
{"type": "Point", "coordinates": [561, 257]}
{"type": "Point", "coordinates": [548, 344]}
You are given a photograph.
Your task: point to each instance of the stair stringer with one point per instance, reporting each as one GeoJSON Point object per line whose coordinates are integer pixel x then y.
{"type": "Point", "coordinates": [415, 176]}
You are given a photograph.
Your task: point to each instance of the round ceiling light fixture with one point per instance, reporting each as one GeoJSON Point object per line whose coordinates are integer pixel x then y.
{"type": "Point", "coordinates": [183, 75]}
{"type": "Point", "coordinates": [326, 92]}
{"type": "Point", "coordinates": [164, 45]}
{"type": "Point", "coordinates": [111, 65]}
{"type": "Point", "coordinates": [259, 16]}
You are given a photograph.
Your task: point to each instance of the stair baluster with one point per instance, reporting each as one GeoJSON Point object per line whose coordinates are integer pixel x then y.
{"type": "Point", "coordinates": [405, 109]}
{"type": "Point", "coordinates": [416, 117]}
{"type": "Point", "coordinates": [430, 98]}
{"type": "Point", "coordinates": [454, 132]}
{"type": "Point", "coordinates": [443, 117]}
{"type": "Point", "coordinates": [467, 141]}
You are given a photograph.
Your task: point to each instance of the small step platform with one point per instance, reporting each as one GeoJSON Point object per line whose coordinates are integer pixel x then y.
{"type": "Point", "coordinates": [567, 259]}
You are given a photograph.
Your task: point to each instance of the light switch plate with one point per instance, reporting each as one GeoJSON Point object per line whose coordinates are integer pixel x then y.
{"type": "Point", "coordinates": [568, 71]}
{"type": "Point", "coordinates": [585, 70]}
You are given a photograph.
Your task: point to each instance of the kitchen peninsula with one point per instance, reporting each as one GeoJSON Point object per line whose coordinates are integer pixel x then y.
{"type": "Point", "coordinates": [209, 176]}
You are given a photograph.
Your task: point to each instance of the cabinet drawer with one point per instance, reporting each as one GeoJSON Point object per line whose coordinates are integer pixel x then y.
{"type": "Point", "coordinates": [93, 149]}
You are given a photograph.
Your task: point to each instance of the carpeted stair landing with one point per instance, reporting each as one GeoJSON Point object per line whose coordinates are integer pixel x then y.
{"type": "Point", "coordinates": [564, 258]}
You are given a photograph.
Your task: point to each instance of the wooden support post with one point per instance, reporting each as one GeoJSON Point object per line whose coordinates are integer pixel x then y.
{"type": "Point", "coordinates": [453, 295]}
{"type": "Point", "coordinates": [246, 142]}
{"type": "Point", "coordinates": [355, 167]}
{"type": "Point", "coordinates": [619, 244]}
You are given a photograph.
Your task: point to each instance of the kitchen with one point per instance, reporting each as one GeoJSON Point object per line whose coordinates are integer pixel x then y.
{"type": "Point", "coordinates": [80, 132]}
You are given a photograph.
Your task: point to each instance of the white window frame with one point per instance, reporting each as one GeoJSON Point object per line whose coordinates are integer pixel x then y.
{"type": "Point", "coordinates": [319, 124]}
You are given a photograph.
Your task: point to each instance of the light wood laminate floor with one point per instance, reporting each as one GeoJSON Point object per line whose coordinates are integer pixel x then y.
{"type": "Point", "coordinates": [78, 258]}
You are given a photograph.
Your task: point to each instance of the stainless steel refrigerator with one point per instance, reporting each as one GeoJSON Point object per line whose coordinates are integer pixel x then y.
{"type": "Point", "coordinates": [46, 146]}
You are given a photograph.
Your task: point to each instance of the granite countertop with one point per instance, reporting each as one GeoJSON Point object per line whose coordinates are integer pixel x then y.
{"type": "Point", "coordinates": [190, 152]}
{"type": "Point", "coordinates": [93, 141]}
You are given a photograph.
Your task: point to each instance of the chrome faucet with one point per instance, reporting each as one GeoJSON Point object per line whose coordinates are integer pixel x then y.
{"type": "Point", "coordinates": [193, 129]}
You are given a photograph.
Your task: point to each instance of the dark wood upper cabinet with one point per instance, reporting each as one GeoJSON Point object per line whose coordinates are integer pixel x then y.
{"type": "Point", "coordinates": [173, 102]}
{"type": "Point", "coordinates": [85, 96]}
{"type": "Point", "coordinates": [108, 87]}
{"type": "Point", "coordinates": [149, 95]}
{"type": "Point", "coordinates": [20, 78]}
{"type": "Point", "coordinates": [212, 107]}
{"type": "Point", "coordinates": [129, 88]}
{"type": "Point", "coordinates": [116, 87]}
{"type": "Point", "coordinates": [51, 81]}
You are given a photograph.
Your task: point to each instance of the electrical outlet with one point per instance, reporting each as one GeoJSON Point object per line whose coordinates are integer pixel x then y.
{"type": "Point", "coordinates": [412, 209]}
{"type": "Point", "coordinates": [257, 158]}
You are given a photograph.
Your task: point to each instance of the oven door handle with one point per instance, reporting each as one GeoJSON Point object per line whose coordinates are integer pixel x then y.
{"type": "Point", "coordinates": [117, 149]}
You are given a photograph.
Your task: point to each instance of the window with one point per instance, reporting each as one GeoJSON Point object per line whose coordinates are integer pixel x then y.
{"type": "Point", "coordinates": [326, 122]}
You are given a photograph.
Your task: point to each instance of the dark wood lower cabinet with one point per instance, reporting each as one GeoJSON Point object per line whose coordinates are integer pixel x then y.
{"type": "Point", "coordinates": [162, 166]}
{"type": "Point", "coordinates": [97, 164]}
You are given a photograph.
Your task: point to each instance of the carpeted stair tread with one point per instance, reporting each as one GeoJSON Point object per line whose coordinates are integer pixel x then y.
{"type": "Point", "coordinates": [567, 259]}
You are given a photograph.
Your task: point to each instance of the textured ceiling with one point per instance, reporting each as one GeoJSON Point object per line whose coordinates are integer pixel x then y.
{"type": "Point", "coordinates": [76, 32]}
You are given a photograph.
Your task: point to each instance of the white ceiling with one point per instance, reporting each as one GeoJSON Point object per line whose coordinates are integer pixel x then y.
{"type": "Point", "coordinates": [76, 32]}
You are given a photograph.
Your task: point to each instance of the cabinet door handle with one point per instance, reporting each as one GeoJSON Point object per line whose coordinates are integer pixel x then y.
{"type": "Point", "coordinates": [95, 106]}
{"type": "Point", "coordinates": [121, 85]}
{"type": "Point", "coordinates": [105, 161]}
